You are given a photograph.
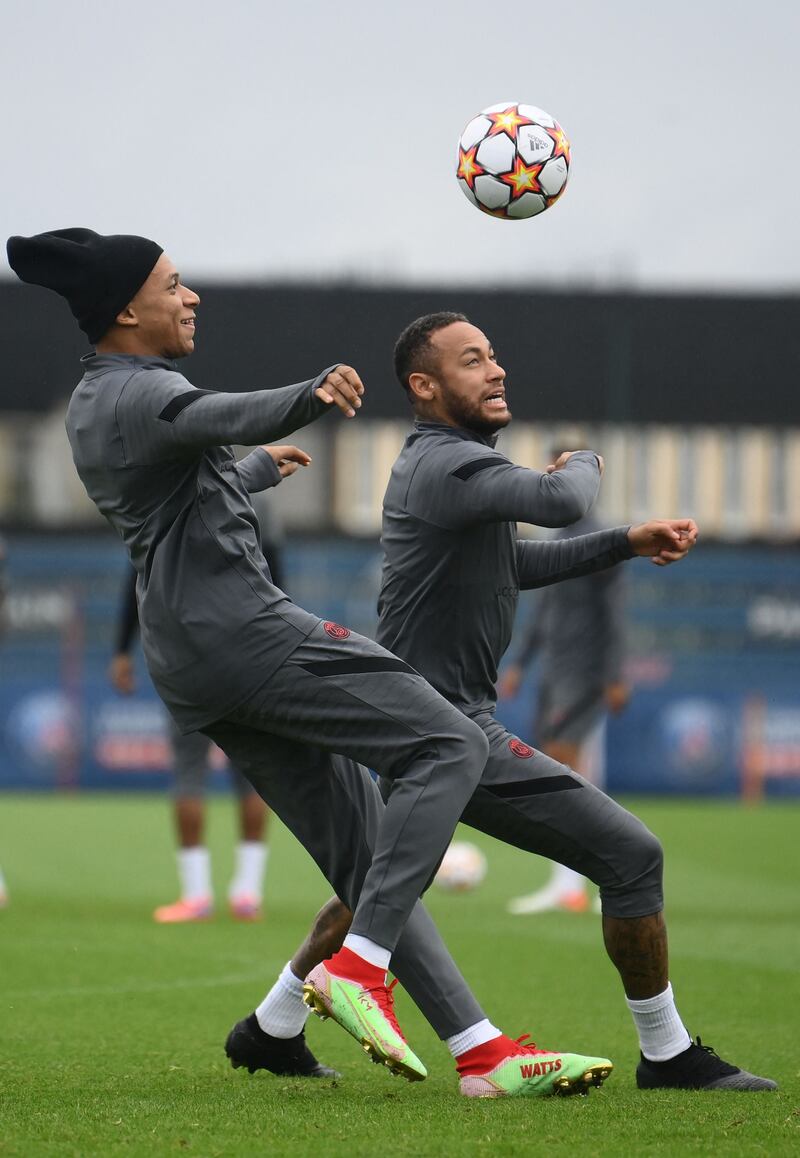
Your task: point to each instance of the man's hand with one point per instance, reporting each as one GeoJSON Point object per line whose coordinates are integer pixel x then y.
{"type": "Point", "coordinates": [663, 540]}
{"type": "Point", "coordinates": [343, 387]}
{"type": "Point", "coordinates": [616, 697]}
{"type": "Point", "coordinates": [287, 458]}
{"type": "Point", "coordinates": [120, 672]}
{"type": "Point", "coordinates": [564, 458]}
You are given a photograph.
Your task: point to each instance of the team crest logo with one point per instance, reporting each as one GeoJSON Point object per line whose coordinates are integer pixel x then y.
{"type": "Point", "coordinates": [335, 631]}
{"type": "Point", "coordinates": [524, 751]}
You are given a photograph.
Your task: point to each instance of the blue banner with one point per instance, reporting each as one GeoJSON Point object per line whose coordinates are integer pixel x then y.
{"type": "Point", "coordinates": [714, 661]}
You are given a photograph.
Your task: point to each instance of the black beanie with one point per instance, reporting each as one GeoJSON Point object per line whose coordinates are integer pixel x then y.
{"type": "Point", "coordinates": [98, 275]}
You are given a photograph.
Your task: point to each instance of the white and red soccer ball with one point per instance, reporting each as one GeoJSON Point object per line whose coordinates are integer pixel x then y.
{"type": "Point", "coordinates": [463, 868]}
{"type": "Point", "coordinates": [513, 161]}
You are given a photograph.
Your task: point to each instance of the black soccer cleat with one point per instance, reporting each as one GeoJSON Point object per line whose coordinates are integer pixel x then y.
{"type": "Point", "coordinates": [697, 1068]}
{"type": "Point", "coordinates": [250, 1048]}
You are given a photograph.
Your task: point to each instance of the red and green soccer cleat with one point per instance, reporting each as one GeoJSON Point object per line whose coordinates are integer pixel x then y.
{"type": "Point", "coordinates": [354, 993]}
{"type": "Point", "coordinates": [504, 1068]}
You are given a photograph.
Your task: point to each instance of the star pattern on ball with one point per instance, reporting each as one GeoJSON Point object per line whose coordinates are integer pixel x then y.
{"type": "Point", "coordinates": [507, 121]}
{"type": "Point", "coordinates": [468, 167]}
{"type": "Point", "coordinates": [560, 142]}
{"type": "Point", "coordinates": [522, 178]}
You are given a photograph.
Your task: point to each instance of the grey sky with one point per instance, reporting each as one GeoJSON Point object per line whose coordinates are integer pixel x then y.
{"type": "Point", "coordinates": [317, 139]}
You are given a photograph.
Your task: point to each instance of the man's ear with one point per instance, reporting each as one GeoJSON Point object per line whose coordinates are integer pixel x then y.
{"type": "Point", "coordinates": [127, 317]}
{"type": "Point", "coordinates": [421, 386]}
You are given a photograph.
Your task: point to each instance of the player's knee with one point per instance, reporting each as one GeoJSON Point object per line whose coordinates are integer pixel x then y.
{"type": "Point", "coordinates": [646, 866]}
{"type": "Point", "coordinates": [472, 748]}
{"type": "Point", "coordinates": [650, 853]}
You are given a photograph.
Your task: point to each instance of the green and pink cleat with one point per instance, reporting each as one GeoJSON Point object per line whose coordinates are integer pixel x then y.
{"type": "Point", "coordinates": [355, 995]}
{"type": "Point", "coordinates": [505, 1068]}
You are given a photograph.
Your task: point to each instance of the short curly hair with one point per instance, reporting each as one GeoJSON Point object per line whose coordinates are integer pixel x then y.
{"type": "Point", "coordinates": [413, 352]}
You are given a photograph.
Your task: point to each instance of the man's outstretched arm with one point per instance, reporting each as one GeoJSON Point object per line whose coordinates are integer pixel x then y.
{"type": "Point", "coordinates": [161, 413]}
{"type": "Point", "coordinates": [663, 540]}
{"type": "Point", "coordinates": [472, 483]}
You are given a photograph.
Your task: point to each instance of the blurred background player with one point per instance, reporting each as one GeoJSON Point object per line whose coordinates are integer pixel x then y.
{"type": "Point", "coordinates": [578, 636]}
{"type": "Point", "coordinates": [191, 766]}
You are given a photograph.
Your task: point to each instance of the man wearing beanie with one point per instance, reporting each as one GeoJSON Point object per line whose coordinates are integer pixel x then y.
{"type": "Point", "coordinates": [279, 690]}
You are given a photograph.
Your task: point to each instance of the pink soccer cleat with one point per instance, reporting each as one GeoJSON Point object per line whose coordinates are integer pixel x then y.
{"type": "Point", "coordinates": [245, 907]}
{"type": "Point", "coordinates": [200, 909]}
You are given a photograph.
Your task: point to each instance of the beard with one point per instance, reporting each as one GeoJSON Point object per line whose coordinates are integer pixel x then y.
{"type": "Point", "coordinates": [472, 416]}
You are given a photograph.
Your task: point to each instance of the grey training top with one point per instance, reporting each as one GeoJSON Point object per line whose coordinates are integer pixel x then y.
{"type": "Point", "coordinates": [453, 565]}
{"type": "Point", "coordinates": [578, 628]}
{"type": "Point", "coordinates": [153, 454]}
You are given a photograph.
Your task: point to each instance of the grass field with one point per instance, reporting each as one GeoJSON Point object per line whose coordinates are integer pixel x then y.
{"type": "Point", "coordinates": [112, 1027]}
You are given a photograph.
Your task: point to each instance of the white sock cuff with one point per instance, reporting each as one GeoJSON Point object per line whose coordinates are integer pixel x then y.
{"type": "Point", "coordinates": [651, 1004]}
{"type": "Point", "coordinates": [289, 982]}
{"type": "Point", "coordinates": [198, 853]}
{"type": "Point", "coordinates": [253, 852]}
{"type": "Point", "coordinates": [251, 864]}
{"type": "Point", "coordinates": [473, 1035]}
{"type": "Point", "coordinates": [662, 1034]}
{"type": "Point", "coordinates": [194, 871]}
{"type": "Point", "coordinates": [362, 946]}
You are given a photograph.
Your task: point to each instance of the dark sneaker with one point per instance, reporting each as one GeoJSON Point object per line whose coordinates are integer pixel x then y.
{"type": "Point", "coordinates": [697, 1068]}
{"type": "Point", "coordinates": [249, 1047]}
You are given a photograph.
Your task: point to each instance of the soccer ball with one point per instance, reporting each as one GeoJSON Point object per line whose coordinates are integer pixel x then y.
{"type": "Point", "coordinates": [513, 161]}
{"type": "Point", "coordinates": [463, 867]}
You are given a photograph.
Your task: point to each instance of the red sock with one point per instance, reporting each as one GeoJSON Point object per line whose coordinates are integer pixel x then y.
{"type": "Point", "coordinates": [482, 1058]}
{"type": "Point", "coordinates": [348, 964]}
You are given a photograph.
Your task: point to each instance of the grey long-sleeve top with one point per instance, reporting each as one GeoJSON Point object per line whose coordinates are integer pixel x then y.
{"type": "Point", "coordinates": [258, 471]}
{"type": "Point", "coordinates": [578, 628]}
{"type": "Point", "coordinates": [154, 455]}
{"type": "Point", "coordinates": [453, 565]}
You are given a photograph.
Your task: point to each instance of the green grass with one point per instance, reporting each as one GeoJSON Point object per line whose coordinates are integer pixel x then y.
{"type": "Point", "coordinates": [111, 1027]}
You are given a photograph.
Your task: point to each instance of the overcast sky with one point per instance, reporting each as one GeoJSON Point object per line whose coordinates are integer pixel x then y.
{"type": "Point", "coordinates": [316, 139]}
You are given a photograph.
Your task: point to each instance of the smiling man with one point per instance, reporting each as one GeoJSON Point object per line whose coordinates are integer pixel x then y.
{"type": "Point", "coordinates": [278, 689]}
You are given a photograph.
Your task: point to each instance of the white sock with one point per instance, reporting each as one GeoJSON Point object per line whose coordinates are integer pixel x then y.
{"type": "Point", "coordinates": [251, 864]}
{"type": "Point", "coordinates": [194, 873]}
{"type": "Point", "coordinates": [363, 947]}
{"type": "Point", "coordinates": [283, 1013]}
{"type": "Point", "coordinates": [662, 1034]}
{"type": "Point", "coordinates": [477, 1034]}
{"type": "Point", "coordinates": [566, 880]}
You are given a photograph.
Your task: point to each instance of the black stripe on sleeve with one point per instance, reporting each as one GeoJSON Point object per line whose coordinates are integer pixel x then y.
{"type": "Point", "coordinates": [173, 408]}
{"type": "Point", "coordinates": [470, 468]}
{"type": "Point", "coordinates": [335, 667]}
{"type": "Point", "coordinates": [537, 787]}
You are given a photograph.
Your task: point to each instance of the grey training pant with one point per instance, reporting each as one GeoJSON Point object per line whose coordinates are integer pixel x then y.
{"type": "Point", "coordinates": [339, 692]}
{"type": "Point", "coordinates": [528, 800]}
